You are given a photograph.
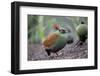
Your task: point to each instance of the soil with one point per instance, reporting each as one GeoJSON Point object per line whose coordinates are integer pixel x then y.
{"type": "Point", "coordinates": [37, 52]}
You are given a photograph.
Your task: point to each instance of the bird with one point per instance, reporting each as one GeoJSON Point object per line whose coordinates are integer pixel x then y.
{"type": "Point", "coordinates": [57, 40]}
{"type": "Point", "coordinates": [82, 33]}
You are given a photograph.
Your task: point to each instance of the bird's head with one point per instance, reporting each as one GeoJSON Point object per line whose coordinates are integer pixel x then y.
{"type": "Point", "coordinates": [56, 26]}
{"type": "Point", "coordinates": [60, 29]}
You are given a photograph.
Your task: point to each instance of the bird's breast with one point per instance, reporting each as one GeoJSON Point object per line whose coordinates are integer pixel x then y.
{"type": "Point", "coordinates": [50, 39]}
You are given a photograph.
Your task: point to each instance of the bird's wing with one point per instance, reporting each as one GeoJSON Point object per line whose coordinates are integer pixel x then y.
{"type": "Point", "coordinates": [50, 40]}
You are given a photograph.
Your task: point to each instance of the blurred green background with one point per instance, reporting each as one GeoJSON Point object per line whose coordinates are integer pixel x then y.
{"type": "Point", "coordinates": [40, 26]}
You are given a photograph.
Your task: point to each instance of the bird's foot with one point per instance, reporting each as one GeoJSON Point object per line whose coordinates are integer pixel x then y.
{"type": "Point", "coordinates": [52, 56]}
{"type": "Point", "coordinates": [55, 55]}
{"type": "Point", "coordinates": [60, 54]}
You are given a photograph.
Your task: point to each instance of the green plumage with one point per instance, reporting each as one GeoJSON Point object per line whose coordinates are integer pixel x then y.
{"type": "Point", "coordinates": [61, 42]}
{"type": "Point", "coordinates": [57, 41]}
{"type": "Point", "coordinates": [82, 32]}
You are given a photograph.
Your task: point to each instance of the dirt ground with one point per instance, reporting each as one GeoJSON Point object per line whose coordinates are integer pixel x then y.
{"type": "Point", "coordinates": [37, 52]}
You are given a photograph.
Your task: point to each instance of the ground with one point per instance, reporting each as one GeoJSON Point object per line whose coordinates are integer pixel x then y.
{"type": "Point", "coordinates": [37, 52]}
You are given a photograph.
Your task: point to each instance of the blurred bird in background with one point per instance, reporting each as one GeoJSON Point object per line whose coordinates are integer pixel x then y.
{"type": "Point", "coordinates": [57, 40]}
{"type": "Point", "coordinates": [82, 33]}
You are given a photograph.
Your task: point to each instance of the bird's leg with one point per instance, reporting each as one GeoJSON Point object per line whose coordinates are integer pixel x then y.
{"type": "Point", "coordinates": [56, 54]}
{"type": "Point", "coordinates": [77, 44]}
{"type": "Point", "coordinates": [59, 54]}
{"type": "Point", "coordinates": [51, 56]}
{"type": "Point", "coordinates": [85, 42]}
{"type": "Point", "coordinates": [74, 45]}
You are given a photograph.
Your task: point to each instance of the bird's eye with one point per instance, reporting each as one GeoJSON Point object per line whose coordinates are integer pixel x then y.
{"type": "Point", "coordinates": [62, 31]}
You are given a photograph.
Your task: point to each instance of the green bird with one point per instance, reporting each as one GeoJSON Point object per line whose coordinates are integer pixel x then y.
{"type": "Point", "coordinates": [56, 41]}
{"type": "Point", "coordinates": [82, 33]}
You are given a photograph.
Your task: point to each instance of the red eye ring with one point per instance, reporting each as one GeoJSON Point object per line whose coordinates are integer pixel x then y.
{"type": "Point", "coordinates": [56, 26]}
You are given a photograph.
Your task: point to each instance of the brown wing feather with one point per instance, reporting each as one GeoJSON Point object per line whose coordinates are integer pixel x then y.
{"type": "Point", "coordinates": [50, 40]}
